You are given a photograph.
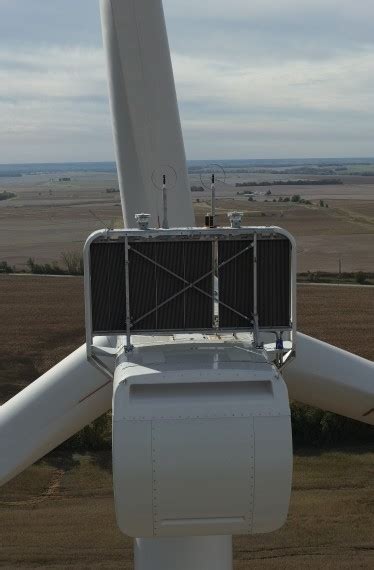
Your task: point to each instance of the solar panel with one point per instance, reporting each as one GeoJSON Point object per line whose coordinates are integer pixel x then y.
{"type": "Point", "coordinates": [170, 286]}
{"type": "Point", "coordinates": [108, 287]}
{"type": "Point", "coordinates": [274, 283]}
{"type": "Point", "coordinates": [235, 275]}
{"type": "Point", "coordinates": [161, 295]}
{"type": "Point", "coordinates": [168, 283]}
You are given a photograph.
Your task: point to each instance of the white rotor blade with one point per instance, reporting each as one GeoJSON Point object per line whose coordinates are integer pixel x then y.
{"type": "Point", "coordinates": [50, 410]}
{"type": "Point", "coordinates": [332, 379]}
{"type": "Point", "coordinates": [147, 130]}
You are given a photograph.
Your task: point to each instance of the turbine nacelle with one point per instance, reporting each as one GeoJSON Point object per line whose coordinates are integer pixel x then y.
{"type": "Point", "coordinates": [202, 441]}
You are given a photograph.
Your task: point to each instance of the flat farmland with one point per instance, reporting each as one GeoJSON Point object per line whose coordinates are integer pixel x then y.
{"type": "Point", "coordinates": [48, 218]}
{"type": "Point", "coordinates": [323, 235]}
{"type": "Point", "coordinates": [60, 512]}
{"type": "Point", "coordinates": [42, 321]}
{"type": "Point", "coordinates": [357, 210]}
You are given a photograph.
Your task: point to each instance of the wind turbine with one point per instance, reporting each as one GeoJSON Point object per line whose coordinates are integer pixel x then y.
{"type": "Point", "coordinates": [181, 405]}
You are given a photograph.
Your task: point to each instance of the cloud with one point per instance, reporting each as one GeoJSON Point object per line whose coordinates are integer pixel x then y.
{"type": "Point", "coordinates": [345, 84]}
{"type": "Point", "coordinates": [254, 78]}
{"type": "Point", "coordinates": [52, 72]}
{"type": "Point", "coordinates": [279, 110]}
{"type": "Point", "coordinates": [54, 104]}
{"type": "Point", "coordinates": [271, 29]}
{"type": "Point", "coordinates": [62, 22]}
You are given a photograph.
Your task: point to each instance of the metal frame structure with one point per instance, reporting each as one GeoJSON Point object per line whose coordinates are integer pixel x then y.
{"type": "Point", "coordinates": [131, 236]}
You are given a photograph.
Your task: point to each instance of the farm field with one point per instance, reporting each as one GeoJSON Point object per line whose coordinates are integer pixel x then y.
{"type": "Point", "coordinates": [43, 321]}
{"type": "Point", "coordinates": [60, 512]}
{"type": "Point", "coordinates": [47, 217]}
{"type": "Point", "coordinates": [323, 235]}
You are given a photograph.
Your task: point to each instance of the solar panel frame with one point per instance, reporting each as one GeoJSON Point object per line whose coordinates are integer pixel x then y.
{"type": "Point", "coordinates": [162, 294]}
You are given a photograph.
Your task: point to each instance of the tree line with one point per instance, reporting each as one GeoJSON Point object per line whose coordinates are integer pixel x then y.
{"type": "Point", "coordinates": [311, 427]}
{"type": "Point", "coordinates": [301, 182]}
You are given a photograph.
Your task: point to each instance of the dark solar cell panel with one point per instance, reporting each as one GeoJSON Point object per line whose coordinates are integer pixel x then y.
{"type": "Point", "coordinates": [274, 284]}
{"type": "Point", "coordinates": [199, 307]}
{"type": "Point", "coordinates": [108, 286]}
{"type": "Point", "coordinates": [170, 314]}
{"type": "Point", "coordinates": [235, 283]}
{"type": "Point", "coordinates": [161, 288]}
{"type": "Point", "coordinates": [143, 293]}
{"type": "Point", "coordinates": [160, 275]}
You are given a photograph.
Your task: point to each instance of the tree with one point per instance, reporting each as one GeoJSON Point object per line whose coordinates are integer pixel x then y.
{"type": "Point", "coordinates": [361, 278]}
{"type": "Point", "coordinates": [5, 267]}
{"type": "Point", "coordinates": [73, 262]}
{"type": "Point", "coordinates": [31, 264]}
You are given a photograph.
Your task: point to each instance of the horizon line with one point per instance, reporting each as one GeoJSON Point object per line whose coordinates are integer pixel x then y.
{"type": "Point", "coordinates": [194, 160]}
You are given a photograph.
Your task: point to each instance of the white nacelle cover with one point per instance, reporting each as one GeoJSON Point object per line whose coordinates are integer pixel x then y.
{"type": "Point", "coordinates": [202, 442]}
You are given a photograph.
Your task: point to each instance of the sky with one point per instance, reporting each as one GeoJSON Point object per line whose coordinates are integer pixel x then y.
{"type": "Point", "coordinates": [255, 79]}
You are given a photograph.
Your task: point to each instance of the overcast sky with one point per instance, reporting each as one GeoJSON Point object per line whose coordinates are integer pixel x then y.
{"type": "Point", "coordinates": [255, 79]}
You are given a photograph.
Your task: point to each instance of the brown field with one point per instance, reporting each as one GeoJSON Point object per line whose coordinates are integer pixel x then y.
{"type": "Point", "coordinates": [47, 218]}
{"type": "Point", "coordinates": [343, 316]}
{"type": "Point", "coordinates": [42, 321]}
{"type": "Point", "coordinates": [357, 210]}
{"type": "Point", "coordinates": [323, 235]}
{"type": "Point", "coordinates": [60, 513]}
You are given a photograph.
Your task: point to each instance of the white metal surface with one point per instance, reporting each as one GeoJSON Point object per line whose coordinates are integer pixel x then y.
{"type": "Point", "coordinates": [50, 410]}
{"type": "Point", "coordinates": [191, 553]}
{"type": "Point", "coordinates": [146, 121]}
{"type": "Point", "coordinates": [202, 441]}
{"type": "Point", "coordinates": [332, 379]}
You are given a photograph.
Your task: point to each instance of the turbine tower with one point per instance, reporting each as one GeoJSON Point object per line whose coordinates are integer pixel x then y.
{"type": "Point", "coordinates": [199, 378]}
